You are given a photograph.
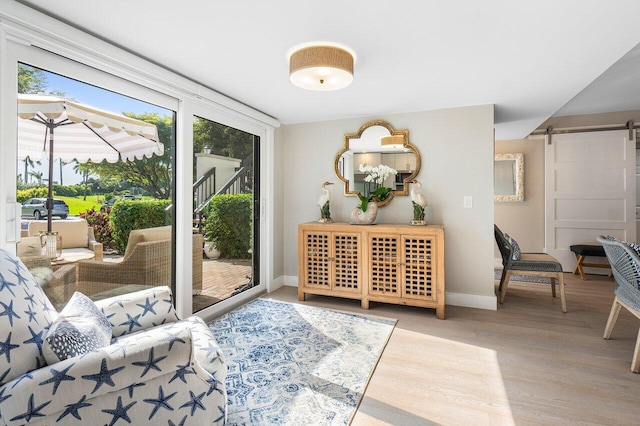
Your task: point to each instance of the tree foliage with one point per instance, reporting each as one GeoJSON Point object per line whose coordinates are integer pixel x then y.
{"type": "Point", "coordinates": [223, 140]}
{"type": "Point", "coordinates": [31, 80]}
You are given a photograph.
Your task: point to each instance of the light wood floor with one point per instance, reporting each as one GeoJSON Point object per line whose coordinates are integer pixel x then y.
{"type": "Point", "coordinates": [525, 364]}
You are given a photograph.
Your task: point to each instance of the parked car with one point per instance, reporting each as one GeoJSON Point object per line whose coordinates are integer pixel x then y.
{"type": "Point", "coordinates": [37, 208]}
{"type": "Point", "coordinates": [112, 201]}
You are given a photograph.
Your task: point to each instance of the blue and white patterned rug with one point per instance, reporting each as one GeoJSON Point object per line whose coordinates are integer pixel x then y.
{"type": "Point", "coordinates": [291, 364]}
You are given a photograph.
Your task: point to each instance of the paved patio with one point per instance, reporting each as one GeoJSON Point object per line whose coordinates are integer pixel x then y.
{"type": "Point", "coordinates": [221, 278]}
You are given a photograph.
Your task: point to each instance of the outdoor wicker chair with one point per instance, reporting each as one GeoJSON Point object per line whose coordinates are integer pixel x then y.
{"type": "Point", "coordinates": [625, 265]}
{"type": "Point", "coordinates": [527, 264]}
{"type": "Point", "coordinates": [147, 261]}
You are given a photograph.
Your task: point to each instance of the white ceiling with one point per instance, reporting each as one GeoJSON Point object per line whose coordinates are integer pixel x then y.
{"type": "Point", "coordinates": [529, 59]}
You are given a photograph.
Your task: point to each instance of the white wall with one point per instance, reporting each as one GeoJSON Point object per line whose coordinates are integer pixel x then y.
{"type": "Point", "coordinates": [456, 146]}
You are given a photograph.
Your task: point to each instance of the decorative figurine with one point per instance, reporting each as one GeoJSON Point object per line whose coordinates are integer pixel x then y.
{"type": "Point", "coordinates": [419, 202]}
{"type": "Point", "coordinates": [323, 203]}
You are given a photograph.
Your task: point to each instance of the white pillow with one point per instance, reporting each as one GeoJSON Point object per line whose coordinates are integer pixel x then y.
{"type": "Point", "coordinates": [80, 328]}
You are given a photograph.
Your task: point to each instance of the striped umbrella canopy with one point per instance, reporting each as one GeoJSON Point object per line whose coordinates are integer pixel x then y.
{"type": "Point", "coordinates": [65, 130]}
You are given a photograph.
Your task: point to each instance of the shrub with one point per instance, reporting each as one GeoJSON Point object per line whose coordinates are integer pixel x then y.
{"type": "Point", "coordinates": [229, 225]}
{"type": "Point", "coordinates": [23, 195]}
{"type": "Point", "coordinates": [127, 215]}
{"type": "Point", "coordinates": [101, 227]}
{"type": "Point", "coordinates": [65, 190]}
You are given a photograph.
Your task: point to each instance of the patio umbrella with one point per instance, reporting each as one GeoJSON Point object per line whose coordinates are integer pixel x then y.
{"type": "Point", "coordinates": [67, 131]}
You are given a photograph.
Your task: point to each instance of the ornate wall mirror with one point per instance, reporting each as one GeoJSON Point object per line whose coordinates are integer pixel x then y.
{"type": "Point", "coordinates": [508, 178]}
{"type": "Point", "coordinates": [377, 143]}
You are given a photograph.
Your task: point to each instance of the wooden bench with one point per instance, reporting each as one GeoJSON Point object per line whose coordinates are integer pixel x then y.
{"type": "Point", "coordinates": [583, 250]}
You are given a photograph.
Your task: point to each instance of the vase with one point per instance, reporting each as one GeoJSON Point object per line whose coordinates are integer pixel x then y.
{"type": "Point", "coordinates": [210, 250]}
{"type": "Point", "coordinates": [358, 217]}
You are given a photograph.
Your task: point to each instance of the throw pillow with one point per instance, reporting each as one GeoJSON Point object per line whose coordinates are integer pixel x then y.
{"type": "Point", "coordinates": [142, 310]}
{"type": "Point", "coordinates": [80, 328]}
{"type": "Point", "coordinates": [516, 252]}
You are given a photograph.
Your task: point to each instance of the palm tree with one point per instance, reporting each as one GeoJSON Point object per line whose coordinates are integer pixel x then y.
{"type": "Point", "coordinates": [36, 174]}
{"type": "Point", "coordinates": [28, 162]}
{"type": "Point", "coordinates": [84, 169]}
{"type": "Point", "coordinates": [62, 163]}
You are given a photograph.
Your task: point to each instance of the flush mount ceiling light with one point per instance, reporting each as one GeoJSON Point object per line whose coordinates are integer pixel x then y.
{"type": "Point", "coordinates": [321, 66]}
{"type": "Point", "coordinates": [392, 141]}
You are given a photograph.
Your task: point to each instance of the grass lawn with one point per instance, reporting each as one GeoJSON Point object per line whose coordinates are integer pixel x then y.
{"type": "Point", "coordinates": [78, 204]}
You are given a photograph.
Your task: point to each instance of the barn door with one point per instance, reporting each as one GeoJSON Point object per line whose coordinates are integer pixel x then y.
{"type": "Point", "coordinates": [590, 190]}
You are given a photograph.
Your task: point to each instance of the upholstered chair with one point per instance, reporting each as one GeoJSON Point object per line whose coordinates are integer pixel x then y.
{"type": "Point", "coordinates": [124, 360]}
{"type": "Point", "coordinates": [624, 258]}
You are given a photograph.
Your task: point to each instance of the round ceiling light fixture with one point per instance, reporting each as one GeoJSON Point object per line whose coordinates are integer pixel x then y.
{"type": "Point", "coordinates": [321, 66]}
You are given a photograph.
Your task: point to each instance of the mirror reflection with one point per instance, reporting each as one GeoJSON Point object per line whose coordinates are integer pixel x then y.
{"type": "Point", "coordinates": [377, 143]}
{"type": "Point", "coordinates": [508, 177]}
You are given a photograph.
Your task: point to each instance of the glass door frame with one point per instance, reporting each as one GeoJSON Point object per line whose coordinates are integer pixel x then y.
{"type": "Point", "coordinates": [184, 213]}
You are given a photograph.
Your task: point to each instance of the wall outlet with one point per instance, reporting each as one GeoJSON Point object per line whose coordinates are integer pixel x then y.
{"type": "Point", "coordinates": [468, 201]}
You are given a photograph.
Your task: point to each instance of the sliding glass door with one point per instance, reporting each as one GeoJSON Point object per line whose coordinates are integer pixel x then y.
{"type": "Point", "coordinates": [95, 177]}
{"type": "Point", "coordinates": [226, 192]}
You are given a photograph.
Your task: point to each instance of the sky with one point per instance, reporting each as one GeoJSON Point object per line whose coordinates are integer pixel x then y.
{"type": "Point", "coordinates": [97, 98]}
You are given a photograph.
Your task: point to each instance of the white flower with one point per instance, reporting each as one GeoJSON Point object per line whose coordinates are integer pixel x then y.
{"type": "Point", "coordinates": [376, 175]}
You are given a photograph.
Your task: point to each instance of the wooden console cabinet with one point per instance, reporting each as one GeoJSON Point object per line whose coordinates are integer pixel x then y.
{"type": "Point", "coordinates": [389, 263]}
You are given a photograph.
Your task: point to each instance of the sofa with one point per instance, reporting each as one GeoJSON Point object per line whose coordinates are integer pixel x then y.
{"type": "Point", "coordinates": [78, 239]}
{"type": "Point", "coordinates": [146, 261]}
{"type": "Point", "coordinates": [106, 361]}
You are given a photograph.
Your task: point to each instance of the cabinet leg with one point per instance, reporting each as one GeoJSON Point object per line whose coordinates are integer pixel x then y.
{"type": "Point", "coordinates": [440, 313]}
{"type": "Point", "coordinates": [364, 303]}
{"type": "Point", "coordinates": [301, 296]}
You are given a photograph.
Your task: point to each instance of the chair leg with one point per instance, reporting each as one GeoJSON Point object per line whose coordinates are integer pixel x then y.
{"type": "Point", "coordinates": [635, 362]}
{"type": "Point", "coordinates": [563, 299]}
{"type": "Point", "coordinates": [504, 272]}
{"type": "Point", "coordinates": [575, 270]}
{"type": "Point", "coordinates": [613, 317]}
{"type": "Point", "coordinates": [580, 268]}
{"type": "Point", "coordinates": [505, 284]}
{"type": "Point", "coordinates": [553, 286]}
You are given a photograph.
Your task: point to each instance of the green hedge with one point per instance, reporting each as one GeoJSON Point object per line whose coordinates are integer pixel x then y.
{"type": "Point", "coordinates": [67, 190]}
{"type": "Point", "coordinates": [23, 195]}
{"type": "Point", "coordinates": [229, 223]}
{"type": "Point", "coordinates": [127, 215]}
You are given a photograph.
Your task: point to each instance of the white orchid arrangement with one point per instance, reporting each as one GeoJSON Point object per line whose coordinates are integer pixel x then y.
{"type": "Point", "coordinates": [374, 179]}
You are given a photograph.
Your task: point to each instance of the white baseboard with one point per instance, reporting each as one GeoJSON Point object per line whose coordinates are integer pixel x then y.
{"type": "Point", "coordinates": [497, 262]}
{"type": "Point", "coordinates": [290, 280]}
{"type": "Point", "coordinates": [275, 284]}
{"type": "Point", "coordinates": [472, 301]}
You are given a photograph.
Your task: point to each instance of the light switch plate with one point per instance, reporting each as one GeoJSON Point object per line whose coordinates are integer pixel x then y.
{"type": "Point", "coordinates": [468, 201]}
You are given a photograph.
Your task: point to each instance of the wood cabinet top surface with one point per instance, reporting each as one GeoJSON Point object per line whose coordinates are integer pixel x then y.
{"type": "Point", "coordinates": [383, 227]}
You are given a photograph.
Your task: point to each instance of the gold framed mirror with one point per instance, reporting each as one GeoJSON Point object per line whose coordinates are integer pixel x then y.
{"type": "Point", "coordinates": [508, 178]}
{"type": "Point", "coordinates": [377, 143]}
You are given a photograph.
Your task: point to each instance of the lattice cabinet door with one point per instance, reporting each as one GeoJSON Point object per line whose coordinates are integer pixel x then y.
{"type": "Point", "coordinates": [384, 268]}
{"type": "Point", "coordinates": [316, 258]}
{"type": "Point", "coordinates": [347, 258]}
{"type": "Point", "coordinates": [419, 271]}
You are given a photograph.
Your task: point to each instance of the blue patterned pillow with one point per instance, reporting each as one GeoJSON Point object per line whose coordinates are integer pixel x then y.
{"type": "Point", "coordinates": [80, 328]}
{"type": "Point", "coordinates": [516, 252]}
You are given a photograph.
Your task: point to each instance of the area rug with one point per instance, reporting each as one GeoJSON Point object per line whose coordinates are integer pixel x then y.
{"type": "Point", "coordinates": [291, 364]}
{"type": "Point", "coordinates": [497, 273]}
